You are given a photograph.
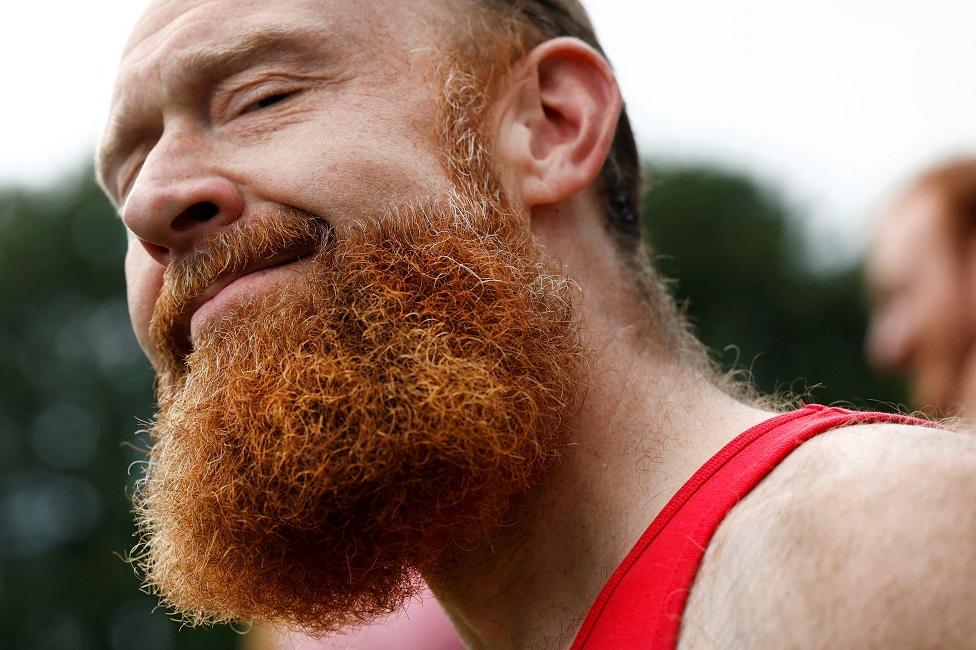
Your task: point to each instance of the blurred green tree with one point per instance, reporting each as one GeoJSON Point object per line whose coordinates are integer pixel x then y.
{"type": "Point", "coordinates": [72, 383]}
{"type": "Point", "coordinates": [739, 269]}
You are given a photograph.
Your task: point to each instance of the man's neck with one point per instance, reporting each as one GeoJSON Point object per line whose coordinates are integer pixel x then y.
{"type": "Point", "coordinates": [644, 428]}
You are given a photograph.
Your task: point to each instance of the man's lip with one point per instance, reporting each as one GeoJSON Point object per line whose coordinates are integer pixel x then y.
{"type": "Point", "coordinates": [219, 285]}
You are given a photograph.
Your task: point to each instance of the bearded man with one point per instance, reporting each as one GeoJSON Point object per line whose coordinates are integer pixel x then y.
{"type": "Point", "coordinates": [384, 257]}
{"type": "Point", "coordinates": [921, 276]}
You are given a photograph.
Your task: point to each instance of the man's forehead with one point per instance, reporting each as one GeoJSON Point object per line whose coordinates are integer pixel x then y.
{"type": "Point", "coordinates": [917, 218]}
{"type": "Point", "coordinates": [911, 231]}
{"type": "Point", "coordinates": [175, 24]}
{"type": "Point", "coordinates": [181, 23]}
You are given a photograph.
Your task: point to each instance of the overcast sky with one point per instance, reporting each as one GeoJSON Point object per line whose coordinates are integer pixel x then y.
{"type": "Point", "coordinates": [830, 102]}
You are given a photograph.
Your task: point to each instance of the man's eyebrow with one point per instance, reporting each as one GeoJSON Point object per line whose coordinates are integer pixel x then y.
{"type": "Point", "coordinates": [207, 62]}
{"type": "Point", "coordinates": [242, 52]}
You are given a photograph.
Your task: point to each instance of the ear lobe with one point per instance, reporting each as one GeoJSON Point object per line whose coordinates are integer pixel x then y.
{"type": "Point", "coordinates": [563, 112]}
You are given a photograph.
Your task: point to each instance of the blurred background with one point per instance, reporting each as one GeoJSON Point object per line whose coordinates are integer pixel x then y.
{"type": "Point", "coordinates": [773, 132]}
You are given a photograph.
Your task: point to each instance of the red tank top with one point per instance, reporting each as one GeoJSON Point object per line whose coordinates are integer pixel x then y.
{"type": "Point", "coordinates": [641, 605]}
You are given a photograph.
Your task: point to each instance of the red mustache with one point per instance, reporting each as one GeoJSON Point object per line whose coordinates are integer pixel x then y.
{"type": "Point", "coordinates": [279, 236]}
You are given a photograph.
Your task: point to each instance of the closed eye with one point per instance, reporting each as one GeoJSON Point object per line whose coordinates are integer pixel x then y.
{"type": "Point", "coordinates": [269, 100]}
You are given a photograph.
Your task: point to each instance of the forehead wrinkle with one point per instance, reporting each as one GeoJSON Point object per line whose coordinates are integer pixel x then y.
{"type": "Point", "coordinates": [192, 65]}
{"type": "Point", "coordinates": [245, 50]}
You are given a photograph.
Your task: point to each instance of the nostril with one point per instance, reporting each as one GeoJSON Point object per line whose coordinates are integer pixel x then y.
{"type": "Point", "coordinates": [195, 214]}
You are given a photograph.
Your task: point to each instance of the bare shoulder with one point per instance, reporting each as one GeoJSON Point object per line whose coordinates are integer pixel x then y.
{"type": "Point", "coordinates": [864, 537]}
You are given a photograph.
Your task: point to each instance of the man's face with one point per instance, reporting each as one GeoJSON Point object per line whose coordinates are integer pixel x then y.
{"type": "Point", "coordinates": [365, 360]}
{"type": "Point", "coordinates": [920, 322]}
{"type": "Point", "coordinates": [226, 108]}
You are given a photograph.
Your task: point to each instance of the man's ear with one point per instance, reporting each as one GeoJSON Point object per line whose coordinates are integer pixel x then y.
{"type": "Point", "coordinates": [557, 121]}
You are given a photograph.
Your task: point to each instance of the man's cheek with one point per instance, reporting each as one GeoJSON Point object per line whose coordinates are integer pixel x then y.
{"type": "Point", "coordinates": [144, 281]}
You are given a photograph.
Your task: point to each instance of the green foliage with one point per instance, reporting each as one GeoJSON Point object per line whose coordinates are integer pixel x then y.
{"type": "Point", "coordinates": [738, 263]}
{"type": "Point", "coordinates": [72, 383]}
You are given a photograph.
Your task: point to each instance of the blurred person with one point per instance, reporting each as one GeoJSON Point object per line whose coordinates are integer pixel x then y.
{"type": "Point", "coordinates": [385, 260]}
{"type": "Point", "coordinates": [921, 276]}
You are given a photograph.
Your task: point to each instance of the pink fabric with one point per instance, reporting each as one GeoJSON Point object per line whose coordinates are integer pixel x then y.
{"type": "Point", "coordinates": [641, 605]}
{"type": "Point", "coordinates": [423, 625]}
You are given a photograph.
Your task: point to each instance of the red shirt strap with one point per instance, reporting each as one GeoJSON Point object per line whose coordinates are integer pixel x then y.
{"type": "Point", "coordinates": [642, 603]}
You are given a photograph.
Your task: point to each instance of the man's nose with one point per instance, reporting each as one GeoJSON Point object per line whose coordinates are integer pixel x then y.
{"type": "Point", "coordinates": [889, 342]}
{"type": "Point", "coordinates": [179, 200]}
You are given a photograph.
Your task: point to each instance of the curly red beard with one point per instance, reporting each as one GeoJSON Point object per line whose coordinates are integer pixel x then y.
{"type": "Point", "coordinates": [322, 445]}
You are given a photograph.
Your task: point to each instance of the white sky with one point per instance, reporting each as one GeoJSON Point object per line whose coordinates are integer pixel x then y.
{"type": "Point", "coordinates": [831, 102]}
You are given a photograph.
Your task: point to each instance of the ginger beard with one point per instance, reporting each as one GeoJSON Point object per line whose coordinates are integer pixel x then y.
{"type": "Point", "coordinates": [322, 445]}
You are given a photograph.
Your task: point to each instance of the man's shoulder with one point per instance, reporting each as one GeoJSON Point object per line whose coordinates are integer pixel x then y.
{"type": "Point", "coordinates": [864, 537]}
